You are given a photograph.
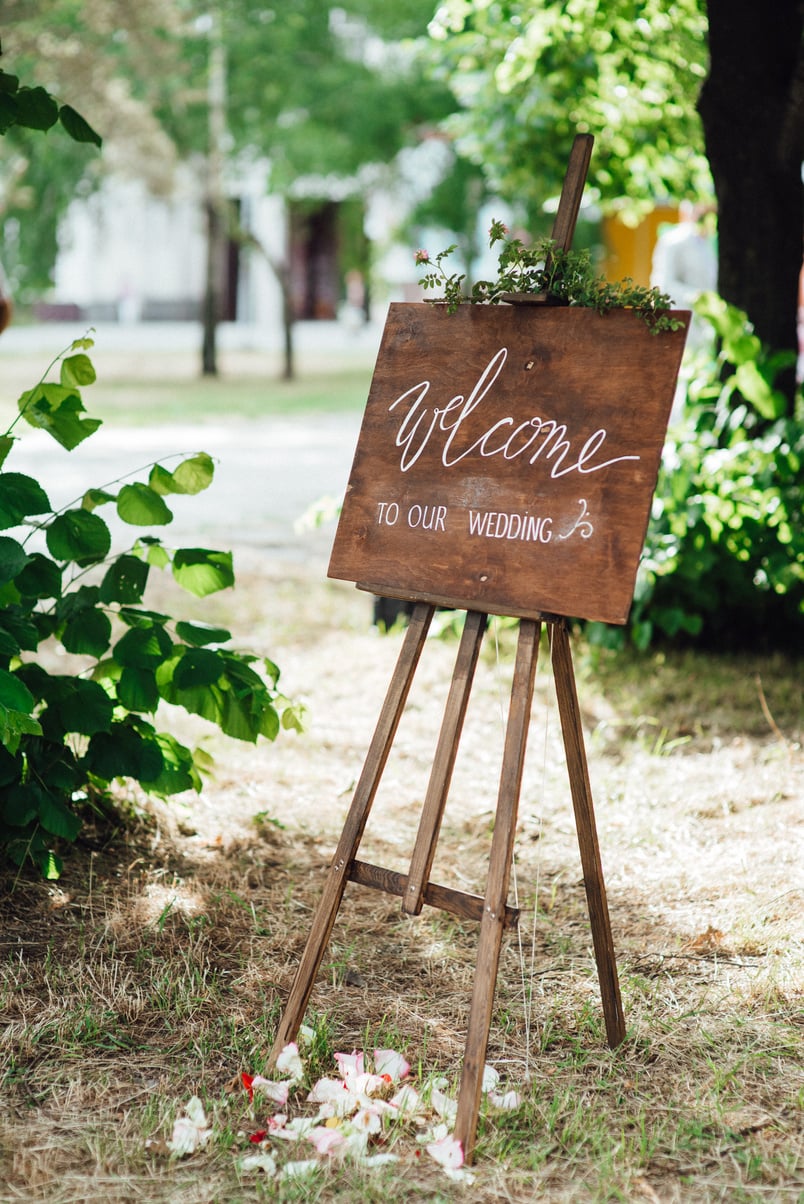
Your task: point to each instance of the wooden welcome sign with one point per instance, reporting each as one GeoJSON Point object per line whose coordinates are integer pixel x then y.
{"type": "Point", "coordinates": [508, 457]}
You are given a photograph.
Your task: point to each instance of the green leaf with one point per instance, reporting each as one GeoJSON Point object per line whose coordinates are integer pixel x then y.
{"type": "Point", "coordinates": [79, 536]}
{"type": "Point", "coordinates": [143, 647]}
{"type": "Point", "coordinates": [50, 865]}
{"type": "Point", "coordinates": [40, 578]}
{"type": "Point", "coordinates": [13, 558]}
{"type": "Point", "coordinates": [17, 623]}
{"type": "Point", "coordinates": [142, 618]}
{"type": "Point", "coordinates": [142, 506]}
{"type": "Point", "coordinates": [202, 572]}
{"type": "Point", "coordinates": [178, 768]}
{"type": "Point", "coordinates": [56, 409]}
{"type": "Point", "coordinates": [192, 475]}
{"type": "Point", "coordinates": [8, 83]}
{"type": "Point", "coordinates": [14, 694]}
{"type": "Point", "coordinates": [77, 370]}
{"type": "Point", "coordinates": [78, 599]}
{"type": "Point", "coordinates": [77, 127]}
{"type": "Point", "coordinates": [8, 110]}
{"type": "Point", "coordinates": [160, 480]}
{"type": "Point", "coordinates": [125, 580]}
{"type": "Point", "coordinates": [136, 689]}
{"type": "Point", "coordinates": [155, 553]}
{"type": "Point", "coordinates": [36, 109]}
{"type": "Point", "coordinates": [96, 497]}
{"type": "Point", "coordinates": [754, 388]}
{"type": "Point", "coordinates": [89, 633]}
{"type": "Point", "coordinates": [20, 496]}
{"type": "Point", "coordinates": [269, 724]}
{"type": "Point", "coordinates": [200, 634]}
{"type": "Point", "coordinates": [123, 752]}
{"type": "Point", "coordinates": [6, 444]}
{"type": "Point", "coordinates": [56, 819]}
{"type": "Point", "coordinates": [82, 706]}
{"type": "Point", "coordinates": [198, 667]}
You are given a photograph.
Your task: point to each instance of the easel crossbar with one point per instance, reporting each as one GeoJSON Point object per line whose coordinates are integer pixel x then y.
{"type": "Point", "coordinates": [457, 902]}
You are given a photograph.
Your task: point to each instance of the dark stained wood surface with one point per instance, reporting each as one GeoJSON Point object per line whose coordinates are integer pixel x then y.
{"type": "Point", "coordinates": [507, 459]}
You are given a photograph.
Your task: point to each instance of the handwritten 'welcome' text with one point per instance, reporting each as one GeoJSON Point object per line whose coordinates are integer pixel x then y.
{"type": "Point", "coordinates": [535, 438]}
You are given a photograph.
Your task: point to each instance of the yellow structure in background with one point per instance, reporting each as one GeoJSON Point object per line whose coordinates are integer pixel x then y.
{"type": "Point", "coordinates": [628, 250]}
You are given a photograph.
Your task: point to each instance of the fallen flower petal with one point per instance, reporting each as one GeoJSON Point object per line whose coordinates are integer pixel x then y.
{"type": "Point", "coordinates": [276, 1092]}
{"type": "Point", "coordinates": [306, 1034]}
{"type": "Point", "coordinates": [247, 1081]}
{"type": "Point", "coordinates": [296, 1170]}
{"type": "Point", "coordinates": [505, 1103]}
{"type": "Point", "coordinates": [256, 1138]}
{"type": "Point", "coordinates": [448, 1152]}
{"type": "Point", "coordinates": [190, 1132]}
{"type": "Point", "coordinates": [388, 1061]}
{"type": "Point", "coordinates": [446, 1108]}
{"type": "Point", "coordinates": [352, 1063]}
{"type": "Point", "coordinates": [372, 1160]}
{"type": "Point", "coordinates": [491, 1079]}
{"type": "Point", "coordinates": [407, 1101]}
{"type": "Point", "coordinates": [461, 1175]}
{"type": "Point", "coordinates": [326, 1140]}
{"type": "Point", "coordinates": [259, 1162]}
{"type": "Point", "coordinates": [368, 1120]}
{"type": "Point", "coordinates": [289, 1062]}
{"type": "Point", "coordinates": [327, 1089]}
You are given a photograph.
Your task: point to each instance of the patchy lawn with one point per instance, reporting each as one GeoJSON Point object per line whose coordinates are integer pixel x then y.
{"type": "Point", "coordinates": [156, 969]}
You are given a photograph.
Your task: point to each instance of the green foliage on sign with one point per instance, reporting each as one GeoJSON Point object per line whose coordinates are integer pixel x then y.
{"type": "Point", "coordinates": [562, 277]}
{"type": "Point", "coordinates": [67, 736]}
{"type": "Point", "coordinates": [724, 559]}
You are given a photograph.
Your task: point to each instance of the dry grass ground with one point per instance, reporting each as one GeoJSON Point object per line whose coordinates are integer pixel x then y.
{"type": "Point", "coordinates": [156, 968]}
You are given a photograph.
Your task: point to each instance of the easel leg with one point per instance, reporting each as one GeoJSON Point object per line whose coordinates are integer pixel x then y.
{"type": "Point", "coordinates": [578, 771]}
{"type": "Point", "coordinates": [502, 849]}
{"type": "Point", "coordinates": [354, 827]}
{"type": "Point", "coordinates": [443, 762]}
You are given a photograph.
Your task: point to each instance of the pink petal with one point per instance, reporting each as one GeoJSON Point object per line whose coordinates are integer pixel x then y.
{"type": "Point", "coordinates": [447, 1153]}
{"type": "Point", "coordinates": [350, 1064]}
{"type": "Point", "coordinates": [388, 1061]}
{"type": "Point", "coordinates": [325, 1140]}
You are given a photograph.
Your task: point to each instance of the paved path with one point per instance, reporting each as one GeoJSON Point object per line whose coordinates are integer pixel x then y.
{"type": "Point", "coordinates": [268, 472]}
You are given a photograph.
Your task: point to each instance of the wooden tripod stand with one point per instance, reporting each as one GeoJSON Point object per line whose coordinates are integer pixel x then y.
{"type": "Point", "coordinates": [415, 887]}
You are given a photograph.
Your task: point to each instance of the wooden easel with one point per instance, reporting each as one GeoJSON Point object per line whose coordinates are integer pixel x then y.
{"type": "Point", "coordinates": [415, 888]}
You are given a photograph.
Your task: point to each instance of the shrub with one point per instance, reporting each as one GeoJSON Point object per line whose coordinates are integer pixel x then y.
{"type": "Point", "coordinates": [65, 737]}
{"type": "Point", "coordinates": [724, 559]}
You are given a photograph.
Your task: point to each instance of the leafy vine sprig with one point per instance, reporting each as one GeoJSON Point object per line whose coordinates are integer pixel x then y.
{"type": "Point", "coordinates": [545, 269]}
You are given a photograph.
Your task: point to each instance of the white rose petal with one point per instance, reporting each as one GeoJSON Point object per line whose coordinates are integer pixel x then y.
{"type": "Point", "coordinates": [491, 1079]}
{"type": "Point", "coordinates": [289, 1062]}
{"type": "Point", "coordinates": [259, 1162]}
{"type": "Point", "coordinates": [297, 1170]}
{"type": "Point", "coordinates": [190, 1132]}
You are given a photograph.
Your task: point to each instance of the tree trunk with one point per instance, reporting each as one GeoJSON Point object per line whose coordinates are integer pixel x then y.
{"type": "Point", "coordinates": [750, 109]}
{"type": "Point", "coordinates": [211, 304]}
{"type": "Point", "coordinates": [288, 362]}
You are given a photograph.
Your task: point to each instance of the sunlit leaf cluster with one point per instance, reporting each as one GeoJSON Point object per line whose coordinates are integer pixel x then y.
{"type": "Point", "coordinates": [67, 735]}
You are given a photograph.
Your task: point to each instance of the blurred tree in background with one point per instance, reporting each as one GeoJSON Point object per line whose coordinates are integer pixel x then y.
{"type": "Point", "coordinates": [685, 99]}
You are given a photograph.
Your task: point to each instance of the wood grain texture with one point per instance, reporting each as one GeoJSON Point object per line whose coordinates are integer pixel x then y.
{"type": "Point", "coordinates": [502, 851]}
{"type": "Point", "coordinates": [352, 834]}
{"type": "Point", "coordinates": [507, 459]}
{"type": "Point", "coordinates": [581, 790]}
